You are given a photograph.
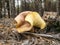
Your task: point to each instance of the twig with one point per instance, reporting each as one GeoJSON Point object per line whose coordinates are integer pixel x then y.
{"type": "Point", "coordinates": [56, 36]}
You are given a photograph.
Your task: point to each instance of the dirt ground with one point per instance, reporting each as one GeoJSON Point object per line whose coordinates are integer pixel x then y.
{"type": "Point", "coordinates": [9, 37]}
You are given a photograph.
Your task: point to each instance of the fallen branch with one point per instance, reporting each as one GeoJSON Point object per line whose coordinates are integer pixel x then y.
{"type": "Point", "coordinates": [55, 36]}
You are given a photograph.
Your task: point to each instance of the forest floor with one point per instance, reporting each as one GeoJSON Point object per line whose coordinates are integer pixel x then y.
{"type": "Point", "coordinates": [9, 37]}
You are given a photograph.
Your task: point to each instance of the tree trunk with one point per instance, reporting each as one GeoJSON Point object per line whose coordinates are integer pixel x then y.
{"type": "Point", "coordinates": [58, 7]}
{"type": "Point", "coordinates": [0, 8]}
{"type": "Point", "coordinates": [12, 7]}
{"type": "Point", "coordinates": [7, 1]}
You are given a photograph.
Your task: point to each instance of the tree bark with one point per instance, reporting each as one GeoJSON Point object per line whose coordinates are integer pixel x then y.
{"type": "Point", "coordinates": [0, 8]}
{"type": "Point", "coordinates": [58, 7]}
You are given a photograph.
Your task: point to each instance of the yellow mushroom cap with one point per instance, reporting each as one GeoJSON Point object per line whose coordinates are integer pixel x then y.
{"type": "Point", "coordinates": [35, 20]}
{"type": "Point", "coordinates": [30, 20]}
